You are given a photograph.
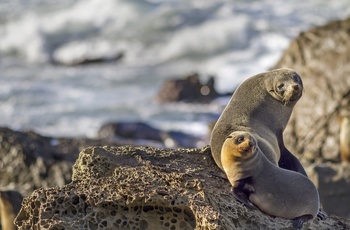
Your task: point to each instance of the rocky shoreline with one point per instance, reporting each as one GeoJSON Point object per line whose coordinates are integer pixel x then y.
{"type": "Point", "coordinates": [31, 162]}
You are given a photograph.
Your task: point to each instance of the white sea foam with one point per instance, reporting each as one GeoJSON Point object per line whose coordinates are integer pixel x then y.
{"type": "Point", "coordinates": [231, 40]}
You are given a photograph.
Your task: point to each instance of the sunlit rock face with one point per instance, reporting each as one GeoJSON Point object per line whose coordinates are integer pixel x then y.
{"type": "Point", "coordinates": [147, 188]}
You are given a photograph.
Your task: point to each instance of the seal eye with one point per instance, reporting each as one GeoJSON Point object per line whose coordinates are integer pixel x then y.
{"type": "Point", "coordinates": [239, 139]}
{"type": "Point", "coordinates": [281, 88]}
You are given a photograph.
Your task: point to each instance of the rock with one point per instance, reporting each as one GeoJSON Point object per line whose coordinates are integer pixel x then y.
{"type": "Point", "coordinates": [129, 130]}
{"type": "Point", "coordinates": [30, 161]}
{"type": "Point", "coordinates": [189, 89]}
{"type": "Point", "coordinates": [90, 60]}
{"type": "Point", "coordinates": [332, 181]}
{"type": "Point", "coordinates": [86, 52]}
{"type": "Point", "coordinates": [321, 57]}
{"type": "Point", "coordinates": [178, 139]}
{"type": "Point", "coordinates": [147, 188]}
{"type": "Point", "coordinates": [140, 131]}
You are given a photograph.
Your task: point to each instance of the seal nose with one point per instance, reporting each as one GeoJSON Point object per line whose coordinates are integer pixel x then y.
{"type": "Point", "coordinates": [251, 143]}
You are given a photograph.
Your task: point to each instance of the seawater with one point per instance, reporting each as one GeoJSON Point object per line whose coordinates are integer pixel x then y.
{"type": "Point", "coordinates": [160, 39]}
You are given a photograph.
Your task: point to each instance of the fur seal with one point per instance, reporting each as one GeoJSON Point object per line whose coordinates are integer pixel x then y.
{"type": "Point", "coordinates": [274, 190]}
{"type": "Point", "coordinates": [344, 138]}
{"type": "Point", "coordinates": [262, 105]}
{"type": "Point", "coordinates": [10, 204]}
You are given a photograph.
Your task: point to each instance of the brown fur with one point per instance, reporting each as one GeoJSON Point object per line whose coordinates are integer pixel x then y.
{"type": "Point", "coordinates": [344, 138]}
{"type": "Point", "coordinates": [262, 105]}
{"type": "Point", "coordinates": [10, 204]}
{"type": "Point", "coordinates": [273, 190]}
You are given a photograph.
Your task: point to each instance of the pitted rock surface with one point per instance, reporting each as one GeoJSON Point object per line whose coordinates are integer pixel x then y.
{"type": "Point", "coordinates": [147, 188]}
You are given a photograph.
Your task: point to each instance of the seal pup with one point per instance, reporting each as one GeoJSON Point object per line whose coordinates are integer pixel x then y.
{"type": "Point", "coordinates": [262, 105]}
{"type": "Point", "coordinates": [275, 191]}
{"type": "Point", "coordinates": [10, 204]}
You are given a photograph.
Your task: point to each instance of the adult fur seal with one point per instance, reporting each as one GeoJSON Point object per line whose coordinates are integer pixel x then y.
{"type": "Point", "coordinates": [275, 191]}
{"type": "Point", "coordinates": [262, 105]}
{"type": "Point", "coordinates": [10, 204]}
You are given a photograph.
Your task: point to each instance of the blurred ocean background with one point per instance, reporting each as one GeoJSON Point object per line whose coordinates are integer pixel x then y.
{"type": "Point", "coordinates": [159, 40]}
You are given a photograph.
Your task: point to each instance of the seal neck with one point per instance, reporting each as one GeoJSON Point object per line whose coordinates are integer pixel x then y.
{"type": "Point", "coordinates": [246, 167]}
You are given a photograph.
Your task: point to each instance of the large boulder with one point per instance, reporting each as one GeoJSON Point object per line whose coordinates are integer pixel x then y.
{"type": "Point", "coordinates": [147, 188]}
{"type": "Point", "coordinates": [30, 161]}
{"type": "Point", "coordinates": [321, 57]}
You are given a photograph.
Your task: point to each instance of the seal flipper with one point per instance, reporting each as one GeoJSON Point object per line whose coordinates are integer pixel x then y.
{"type": "Point", "coordinates": [290, 162]}
{"type": "Point", "coordinates": [322, 214]}
{"type": "Point", "coordinates": [241, 192]}
{"type": "Point", "coordinates": [219, 175]}
{"type": "Point", "coordinates": [287, 159]}
{"type": "Point", "coordinates": [299, 221]}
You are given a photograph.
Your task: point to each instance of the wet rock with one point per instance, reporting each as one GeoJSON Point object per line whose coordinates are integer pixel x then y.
{"type": "Point", "coordinates": [89, 60]}
{"type": "Point", "coordinates": [321, 57]}
{"type": "Point", "coordinates": [147, 188]}
{"type": "Point", "coordinates": [188, 89]}
{"type": "Point", "coordinates": [84, 53]}
{"type": "Point", "coordinates": [138, 131]}
{"type": "Point", "coordinates": [129, 130]}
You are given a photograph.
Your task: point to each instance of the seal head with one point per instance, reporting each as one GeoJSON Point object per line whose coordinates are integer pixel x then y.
{"type": "Point", "coordinates": [287, 88]}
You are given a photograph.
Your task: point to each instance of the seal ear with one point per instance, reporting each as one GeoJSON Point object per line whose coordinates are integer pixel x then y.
{"type": "Point", "coordinates": [229, 136]}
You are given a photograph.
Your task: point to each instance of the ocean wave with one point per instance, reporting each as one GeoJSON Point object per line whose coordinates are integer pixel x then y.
{"type": "Point", "coordinates": [159, 39]}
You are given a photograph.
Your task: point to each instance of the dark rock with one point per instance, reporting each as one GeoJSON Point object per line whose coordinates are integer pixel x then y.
{"type": "Point", "coordinates": [129, 130]}
{"type": "Point", "coordinates": [89, 59]}
{"type": "Point", "coordinates": [138, 131]}
{"type": "Point", "coordinates": [177, 139]}
{"type": "Point", "coordinates": [332, 181]}
{"type": "Point", "coordinates": [30, 161]}
{"type": "Point", "coordinates": [189, 89]}
{"type": "Point", "coordinates": [148, 188]}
